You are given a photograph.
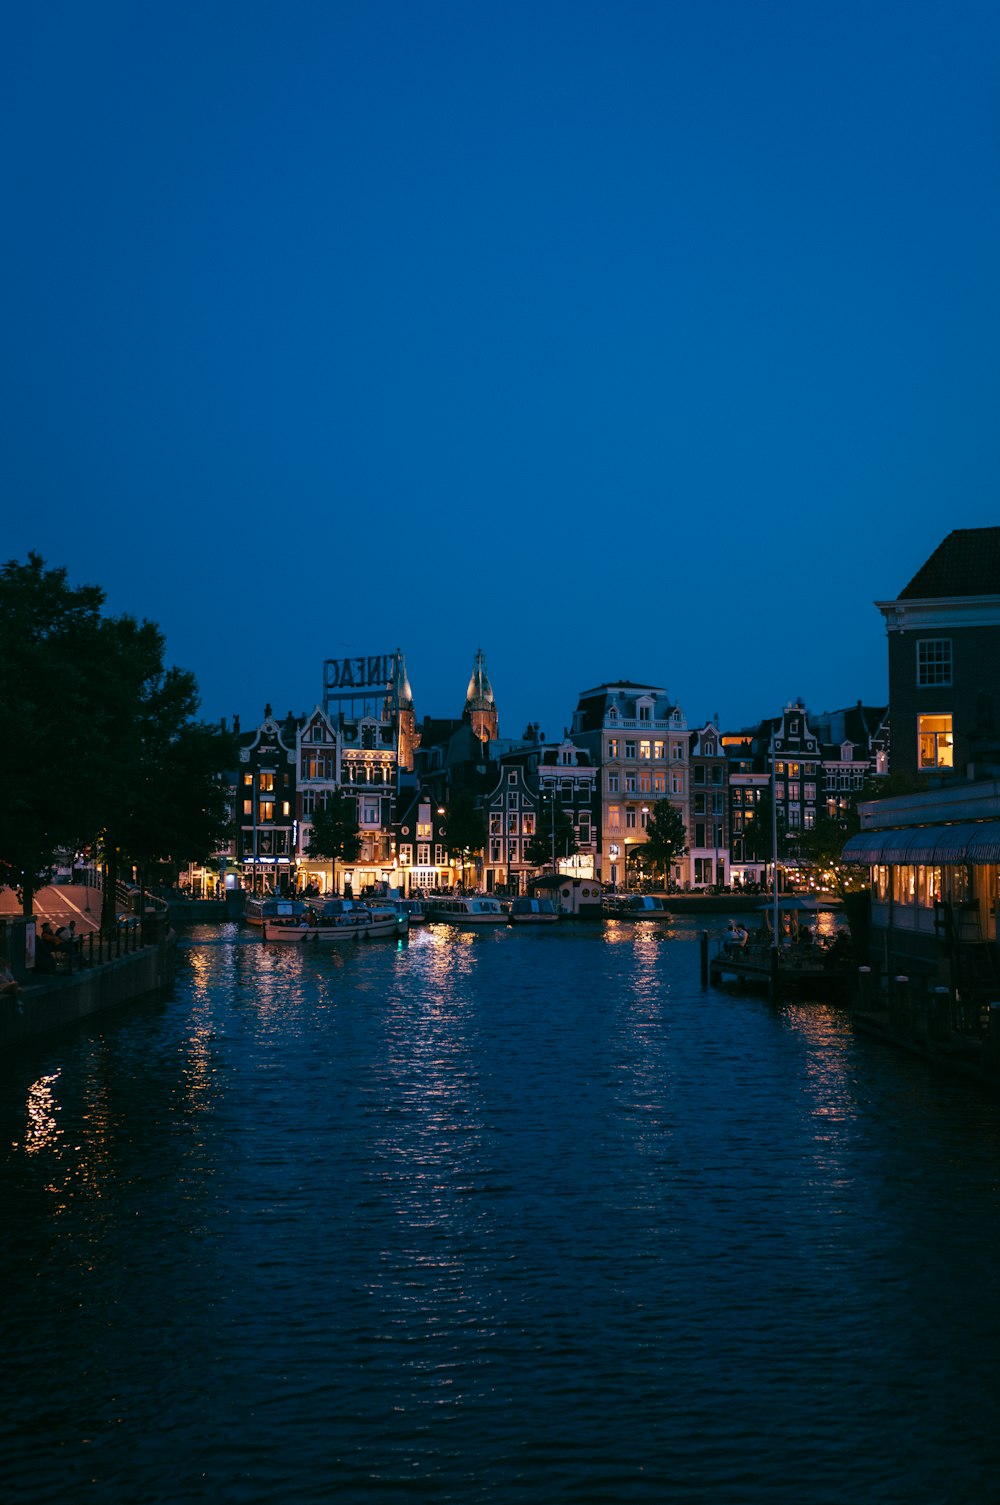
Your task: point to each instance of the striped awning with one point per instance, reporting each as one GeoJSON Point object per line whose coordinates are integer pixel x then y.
{"type": "Point", "coordinates": [976, 842]}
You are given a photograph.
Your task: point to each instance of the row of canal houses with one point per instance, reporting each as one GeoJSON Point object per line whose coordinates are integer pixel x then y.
{"type": "Point", "coordinates": [628, 747]}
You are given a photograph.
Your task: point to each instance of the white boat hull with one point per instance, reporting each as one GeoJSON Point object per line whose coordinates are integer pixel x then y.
{"type": "Point", "coordinates": [350, 928]}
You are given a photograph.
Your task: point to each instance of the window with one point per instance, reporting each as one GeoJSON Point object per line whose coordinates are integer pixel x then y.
{"type": "Point", "coordinates": [369, 814]}
{"type": "Point", "coordinates": [613, 781]}
{"type": "Point", "coordinates": [528, 824]}
{"type": "Point", "coordinates": [645, 713]}
{"type": "Point", "coordinates": [935, 743]}
{"type": "Point", "coordinates": [584, 827]}
{"type": "Point", "coordinates": [629, 748]}
{"type": "Point", "coordinates": [512, 801]}
{"type": "Point", "coordinates": [248, 807]}
{"type": "Point", "coordinates": [645, 782]}
{"type": "Point", "coordinates": [793, 791]}
{"type": "Point", "coordinates": [630, 817]}
{"type": "Point", "coordinates": [717, 803]}
{"type": "Point", "coordinates": [717, 775]}
{"type": "Point", "coordinates": [423, 854]}
{"type": "Point", "coordinates": [659, 783]}
{"type": "Point", "coordinates": [934, 661]}
{"type": "Point", "coordinates": [512, 852]}
{"type": "Point", "coordinates": [512, 824]}
{"type": "Point", "coordinates": [496, 823]}
{"type": "Point", "coordinates": [248, 778]}
{"type": "Point", "coordinates": [658, 751]}
{"type": "Point", "coordinates": [808, 819]}
{"type": "Point", "coordinates": [265, 811]}
{"type": "Point", "coordinates": [614, 815]}
{"type": "Point", "coordinates": [677, 783]}
{"type": "Point", "coordinates": [676, 752]}
{"type": "Point", "coordinates": [438, 855]}
{"type": "Point", "coordinates": [286, 807]}
{"type": "Point", "coordinates": [698, 773]}
{"type": "Point", "coordinates": [645, 748]}
{"type": "Point", "coordinates": [644, 818]}
{"type": "Point", "coordinates": [709, 748]}
{"type": "Point", "coordinates": [809, 791]}
{"type": "Point", "coordinates": [630, 783]}
{"type": "Point", "coordinates": [737, 796]}
{"type": "Point", "coordinates": [612, 747]}
{"type": "Point", "coordinates": [495, 849]}
{"type": "Point", "coordinates": [699, 833]}
{"type": "Point", "coordinates": [699, 804]}
{"type": "Point", "coordinates": [266, 783]}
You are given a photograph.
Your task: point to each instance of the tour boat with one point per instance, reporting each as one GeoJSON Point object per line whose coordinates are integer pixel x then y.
{"type": "Point", "coordinates": [636, 907]}
{"type": "Point", "coordinates": [354, 924]}
{"type": "Point", "coordinates": [271, 908]}
{"type": "Point", "coordinates": [472, 909]}
{"type": "Point", "coordinates": [533, 912]}
{"type": "Point", "coordinates": [414, 909]}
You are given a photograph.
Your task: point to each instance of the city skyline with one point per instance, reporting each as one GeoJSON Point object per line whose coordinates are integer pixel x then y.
{"type": "Point", "coordinates": [657, 344]}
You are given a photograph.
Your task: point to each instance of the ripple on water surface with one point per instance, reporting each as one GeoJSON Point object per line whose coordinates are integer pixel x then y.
{"type": "Point", "coordinates": [491, 1216]}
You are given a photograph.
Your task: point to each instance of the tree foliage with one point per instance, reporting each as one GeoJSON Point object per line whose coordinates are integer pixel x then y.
{"type": "Point", "coordinates": [335, 833]}
{"type": "Point", "coordinates": [666, 837]}
{"type": "Point", "coordinates": [100, 738]}
{"type": "Point", "coordinates": [555, 835]}
{"type": "Point", "coordinates": [465, 828]}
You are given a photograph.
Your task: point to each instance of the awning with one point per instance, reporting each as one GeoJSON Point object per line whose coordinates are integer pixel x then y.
{"type": "Point", "coordinates": [976, 842]}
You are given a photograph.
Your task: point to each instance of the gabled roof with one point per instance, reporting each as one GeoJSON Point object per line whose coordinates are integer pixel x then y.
{"type": "Point", "coordinates": [967, 563]}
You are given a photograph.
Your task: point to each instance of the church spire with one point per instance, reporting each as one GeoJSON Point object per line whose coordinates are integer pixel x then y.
{"type": "Point", "coordinates": [480, 706]}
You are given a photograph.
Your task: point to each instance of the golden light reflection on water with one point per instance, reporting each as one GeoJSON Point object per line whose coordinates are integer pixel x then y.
{"type": "Point", "coordinates": [42, 1127]}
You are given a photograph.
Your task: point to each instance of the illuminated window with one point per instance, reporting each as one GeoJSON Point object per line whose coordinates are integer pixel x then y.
{"type": "Point", "coordinates": [496, 823]}
{"type": "Point", "coordinates": [645, 748]}
{"type": "Point", "coordinates": [423, 854]}
{"type": "Point", "coordinates": [248, 778]}
{"type": "Point", "coordinates": [265, 811]}
{"type": "Point", "coordinates": [934, 661]}
{"type": "Point", "coordinates": [935, 743]}
{"type": "Point", "coordinates": [659, 783]}
{"type": "Point", "coordinates": [528, 825]}
{"type": "Point", "coordinates": [630, 783]}
{"type": "Point", "coordinates": [405, 854]}
{"type": "Point", "coordinates": [612, 747]}
{"type": "Point", "coordinates": [645, 782]}
{"type": "Point", "coordinates": [658, 751]}
{"type": "Point", "coordinates": [512, 852]}
{"type": "Point", "coordinates": [286, 807]}
{"type": "Point", "coordinates": [614, 815]}
{"type": "Point", "coordinates": [248, 807]}
{"type": "Point", "coordinates": [266, 783]}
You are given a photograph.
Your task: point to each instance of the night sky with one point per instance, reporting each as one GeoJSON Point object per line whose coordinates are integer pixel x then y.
{"type": "Point", "coordinates": [624, 341]}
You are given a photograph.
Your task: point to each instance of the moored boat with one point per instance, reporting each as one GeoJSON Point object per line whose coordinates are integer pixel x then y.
{"type": "Point", "coordinates": [533, 912]}
{"type": "Point", "coordinates": [270, 907]}
{"type": "Point", "coordinates": [414, 909]}
{"type": "Point", "coordinates": [635, 907]}
{"type": "Point", "coordinates": [354, 924]}
{"type": "Point", "coordinates": [469, 909]}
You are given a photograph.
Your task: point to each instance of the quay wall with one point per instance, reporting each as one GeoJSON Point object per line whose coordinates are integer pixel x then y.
{"type": "Point", "coordinates": [42, 1007]}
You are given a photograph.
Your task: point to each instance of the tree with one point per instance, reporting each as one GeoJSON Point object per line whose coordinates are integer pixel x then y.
{"type": "Point", "coordinates": [51, 678]}
{"type": "Point", "coordinates": [335, 833]}
{"type": "Point", "coordinates": [666, 837]}
{"type": "Point", "coordinates": [99, 738]}
{"type": "Point", "coordinates": [554, 838]}
{"type": "Point", "coordinates": [465, 830]}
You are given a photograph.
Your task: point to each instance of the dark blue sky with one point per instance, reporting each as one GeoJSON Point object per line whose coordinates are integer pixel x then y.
{"type": "Point", "coordinates": [646, 341]}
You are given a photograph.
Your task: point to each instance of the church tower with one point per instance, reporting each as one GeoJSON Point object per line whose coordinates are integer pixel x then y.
{"type": "Point", "coordinates": [401, 701]}
{"type": "Point", "coordinates": [480, 707]}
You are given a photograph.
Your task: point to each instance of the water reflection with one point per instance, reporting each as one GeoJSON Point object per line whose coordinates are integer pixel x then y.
{"type": "Point", "coordinates": [42, 1127]}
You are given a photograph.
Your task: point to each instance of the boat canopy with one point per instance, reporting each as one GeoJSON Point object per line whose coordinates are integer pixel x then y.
{"type": "Point", "coordinates": [974, 842]}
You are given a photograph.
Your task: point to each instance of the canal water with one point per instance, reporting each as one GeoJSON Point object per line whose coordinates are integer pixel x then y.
{"type": "Point", "coordinates": [517, 1215]}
